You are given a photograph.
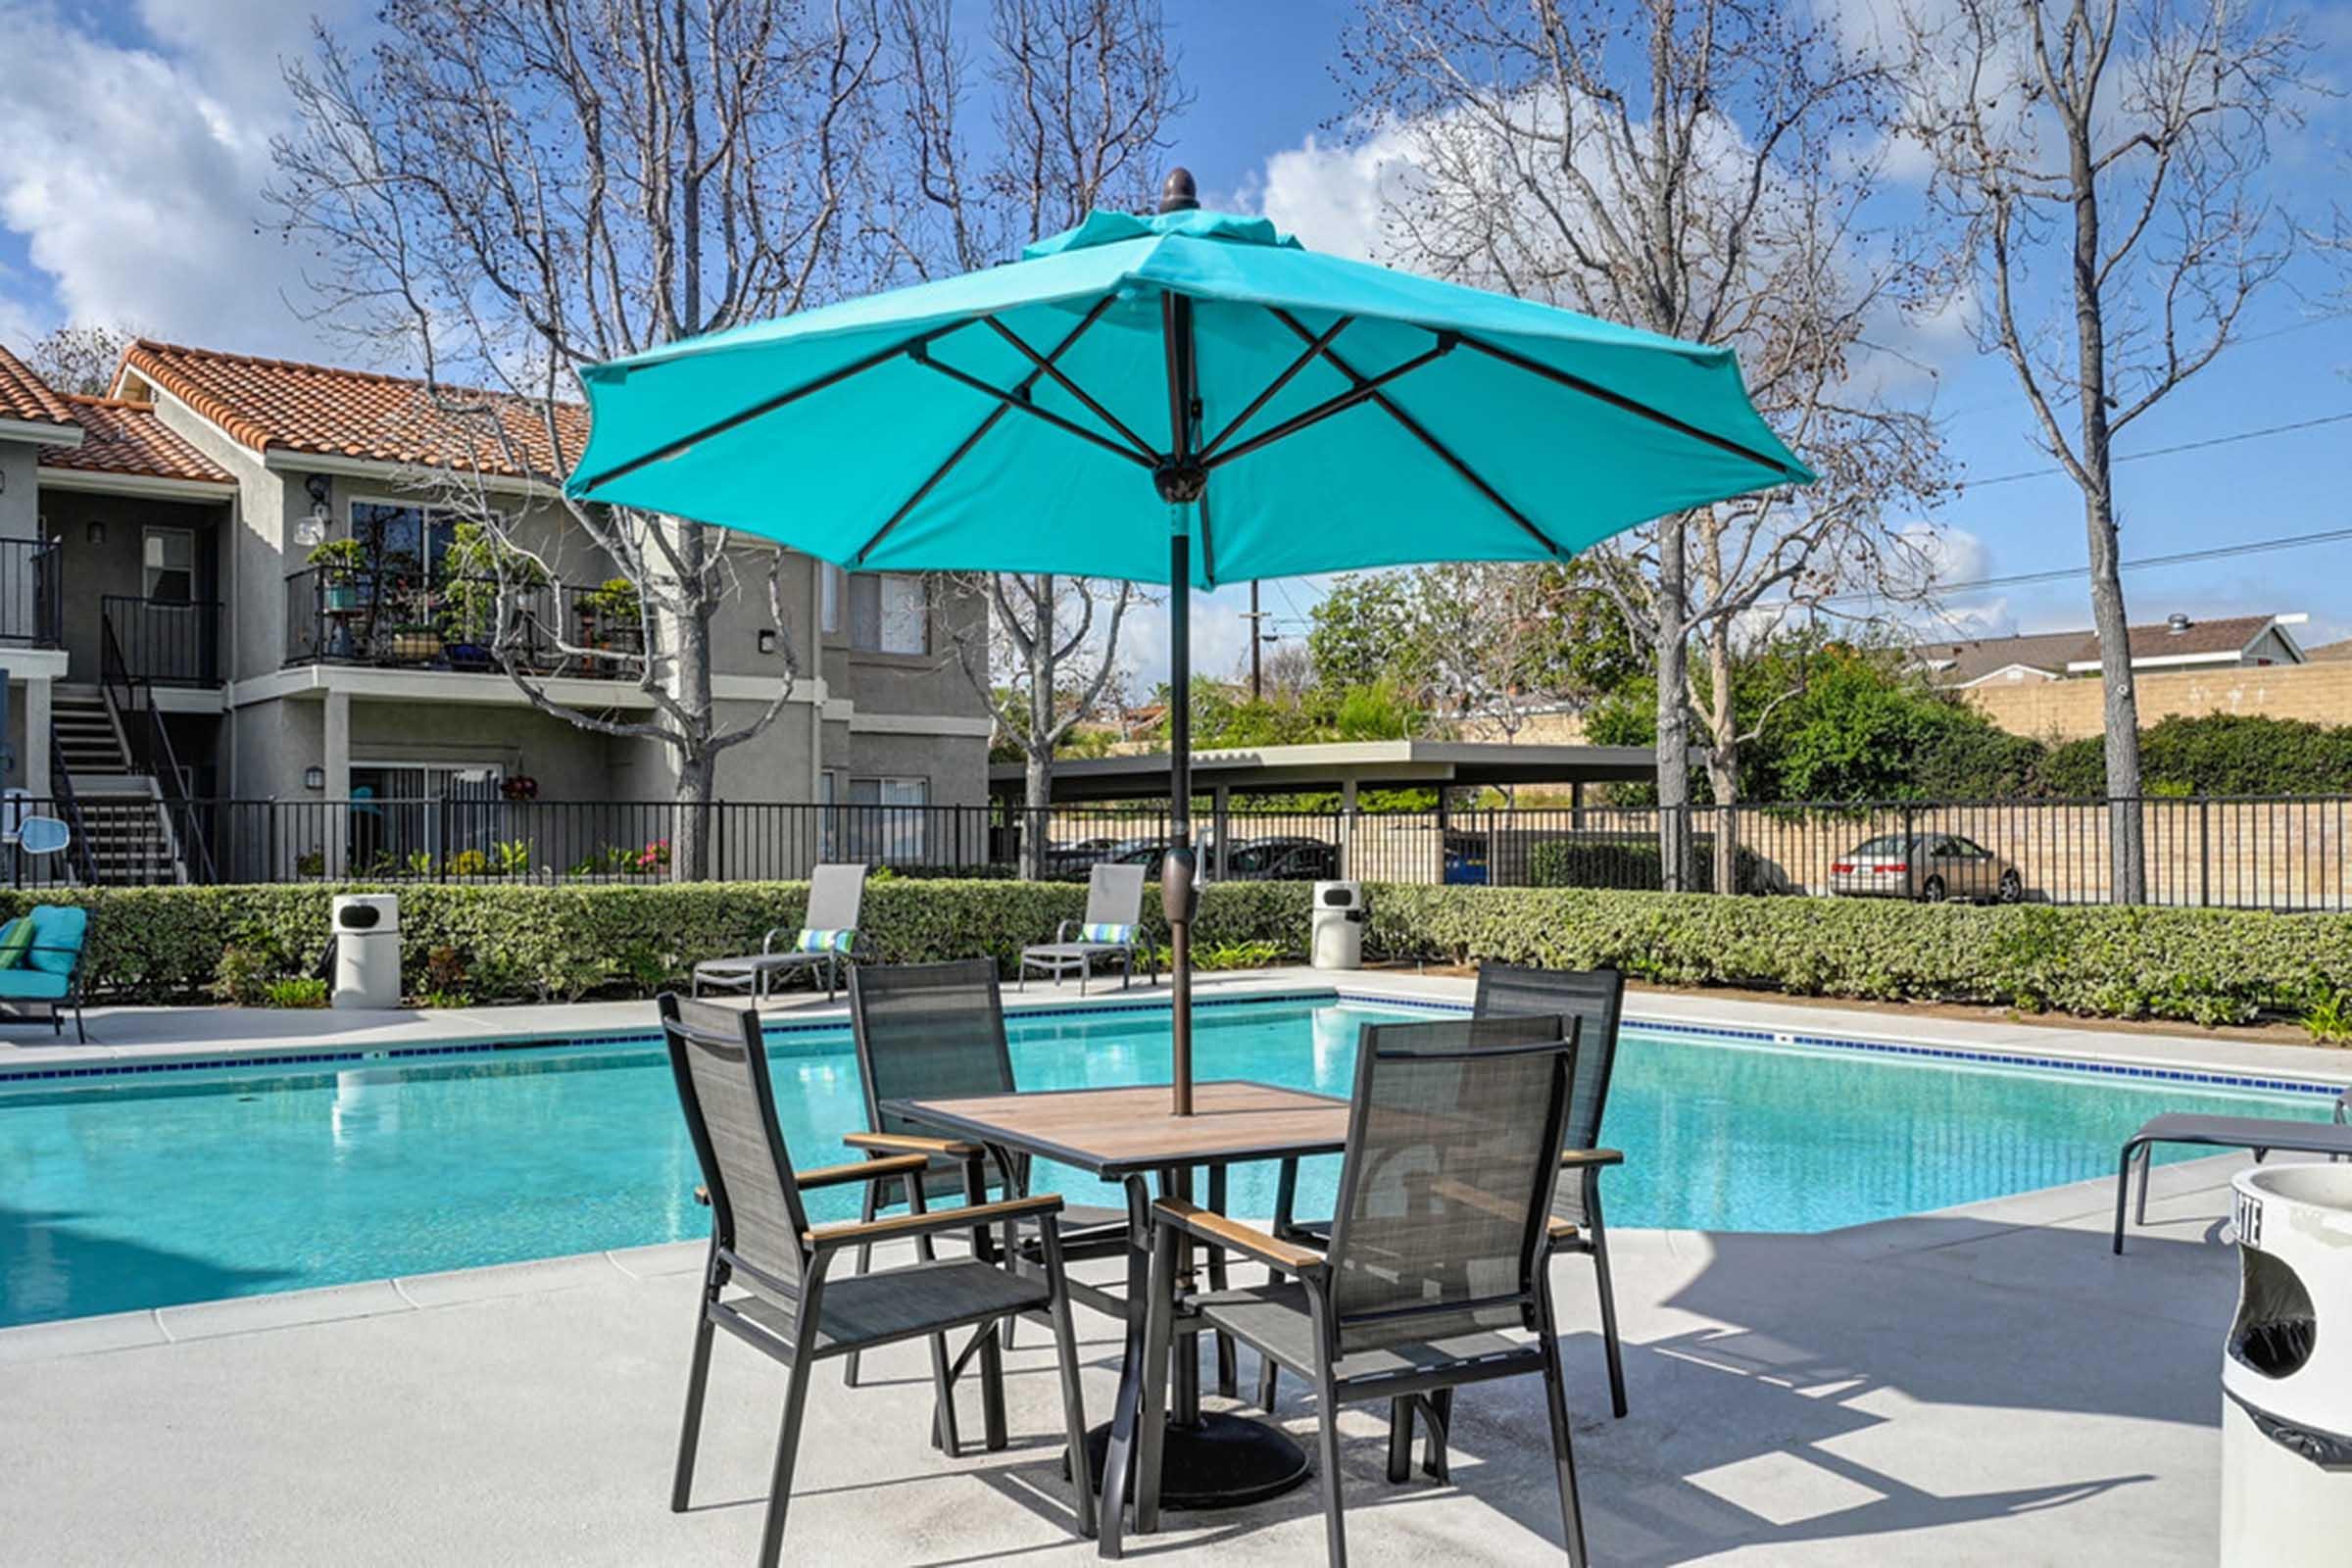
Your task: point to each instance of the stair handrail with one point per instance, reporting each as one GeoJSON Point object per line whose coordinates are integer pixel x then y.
{"type": "Point", "coordinates": [60, 788]}
{"type": "Point", "coordinates": [162, 762]}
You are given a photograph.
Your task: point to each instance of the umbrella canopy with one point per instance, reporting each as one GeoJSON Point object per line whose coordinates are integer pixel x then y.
{"type": "Point", "coordinates": [1015, 420]}
{"type": "Point", "coordinates": [1191, 396]}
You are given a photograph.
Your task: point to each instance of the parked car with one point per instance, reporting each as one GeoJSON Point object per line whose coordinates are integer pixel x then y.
{"type": "Point", "coordinates": [1930, 866]}
{"type": "Point", "coordinates": [1282, 859]}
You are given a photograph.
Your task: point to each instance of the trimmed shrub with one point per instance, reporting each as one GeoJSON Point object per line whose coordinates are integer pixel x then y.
{"type": "Point", "coordinates": [2206, 966]}
{"type": "Point", "coordinates": [1633, 864]}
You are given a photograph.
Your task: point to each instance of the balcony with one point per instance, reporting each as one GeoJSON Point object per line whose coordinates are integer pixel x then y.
{"type": "Point", "coordinates": [347, 615]}
{"type": "Point", "coordinates": [32, 593]}
{"type": "Point", "coordinates": [164, 642]}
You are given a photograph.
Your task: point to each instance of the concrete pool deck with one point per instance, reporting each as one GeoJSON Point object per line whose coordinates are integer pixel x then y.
{"type": "Point", "coordinates": [128, 1036]}
{"type": "Point", "coordinates": [1983, 1385]}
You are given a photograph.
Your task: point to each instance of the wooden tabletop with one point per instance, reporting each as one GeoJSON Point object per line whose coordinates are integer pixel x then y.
{"type": "Point", "coordinates": [1126, 1131]}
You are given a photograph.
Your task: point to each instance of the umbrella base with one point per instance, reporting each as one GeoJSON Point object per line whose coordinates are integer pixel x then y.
{"type": "Point", "coordinates": [1218, 1461]}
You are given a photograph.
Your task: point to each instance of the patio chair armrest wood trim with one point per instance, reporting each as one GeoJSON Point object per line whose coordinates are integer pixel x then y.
{"type": "Point", "coordinates": [1590, 1158]}
{"type": "Point", "coordinates": [910, 1143]}
{"type": "Point", "coordinates": [864, 1170]}
{"type": "Point", "coordinates": [1559, 1232]}
{"type": "Point", "coordinates": [830, 1237]}
{"type": "Point", "coordinates": [1247, 1239]}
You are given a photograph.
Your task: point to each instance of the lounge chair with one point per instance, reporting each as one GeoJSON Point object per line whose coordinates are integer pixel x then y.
{"type": "Point", "coordinates": [1112, 929]}
{"type": "Point", "coordinates": [41, 956]}
{"type": "Point", "coordinates": [933, 1031]}
{"type": "Point", "coordinates": [1436, 1273]}
{"type": "Point", "coordinates": [1595, 1000]}
{"type": "Point", "coordinates": [827, 937]}
{"type": "Point", "coordinates": [767, 1279]}
{"type": "Point", "coordinates": [2261, 1134]}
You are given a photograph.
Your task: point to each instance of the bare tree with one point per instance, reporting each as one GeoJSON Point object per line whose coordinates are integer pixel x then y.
{"type": "Point", "coordinates": [80, 357]}
{"type": "Point", "coordinates": [502, 192]}
{"type": "Point", "coordinates": [1079, 92]}
{"type": "Point", "coordinates": [2100, 159]}
{"type": "Point", "coordinates": [1701, 169]}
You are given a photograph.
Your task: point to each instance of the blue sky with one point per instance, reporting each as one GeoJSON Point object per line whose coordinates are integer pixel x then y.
{"type": "Point", "coordinates": [134, 194]}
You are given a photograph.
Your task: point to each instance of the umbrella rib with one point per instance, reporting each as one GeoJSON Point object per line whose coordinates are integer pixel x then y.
{"type": "Point", "coordinates": [1049, 368]}
{"type": "Point", "coordinates": [1413, 427]}
{"type": "Point", "coordinates": [1306, 357]}
{"type": "Point", "coordinates": [1020, 403]}
{"type": "Point", "coordinates": [769, 405]}
{"type": "Point", "coordinates": [1208, 554]}
{"type": "Point", "coordinates": [1365, 389]}
{"type": "Point", "coordinates": [1618, 400]}
{"type": "Point", "coordinates": [986, 424]}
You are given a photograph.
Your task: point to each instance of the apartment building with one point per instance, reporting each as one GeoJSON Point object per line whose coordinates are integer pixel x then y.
{"type": "Point", "coordinates": [230, 581]}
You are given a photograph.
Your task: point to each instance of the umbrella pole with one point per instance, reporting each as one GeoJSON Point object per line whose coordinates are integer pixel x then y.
{"type": "Point", "coordinates": [1176, 891]}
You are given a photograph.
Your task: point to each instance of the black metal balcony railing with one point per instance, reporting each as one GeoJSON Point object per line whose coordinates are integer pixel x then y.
{"type": "Point", "coordinates": [164, 642]}
{"type": "Point", "coordinates": [351, 616]}
{"type": "Point", "coordinates": [31, 592]}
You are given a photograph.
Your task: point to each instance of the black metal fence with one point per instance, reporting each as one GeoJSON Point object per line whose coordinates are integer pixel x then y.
{"type": "Point", "coordinates": [2286, 854]}
{"type": "Point", "coordinates": [31, 583]}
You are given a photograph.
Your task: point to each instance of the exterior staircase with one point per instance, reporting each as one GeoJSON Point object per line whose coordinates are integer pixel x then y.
{"type": "Point", "coordinates": [115, 808]}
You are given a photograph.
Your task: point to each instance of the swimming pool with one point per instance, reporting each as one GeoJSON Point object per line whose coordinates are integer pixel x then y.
{"type": "Point", "coordinates": [151, 1190]}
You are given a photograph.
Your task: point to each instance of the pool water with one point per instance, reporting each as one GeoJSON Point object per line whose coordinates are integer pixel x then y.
{"type": "Point", "coordinates": [152, 1189]}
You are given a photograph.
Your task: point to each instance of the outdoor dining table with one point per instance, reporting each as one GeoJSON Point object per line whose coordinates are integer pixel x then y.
{"type": "Point", "coordinates": [1131, 1136]}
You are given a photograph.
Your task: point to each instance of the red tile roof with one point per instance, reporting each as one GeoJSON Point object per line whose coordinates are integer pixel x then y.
{"type": "Point", "coordinates": [127, 438]}
{"type": "Point", "coordinates": [321, 411]}
{"type": "Point", "coordinates": [27, 399]}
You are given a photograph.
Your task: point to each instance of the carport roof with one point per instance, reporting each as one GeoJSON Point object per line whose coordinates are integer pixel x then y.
{"type": "Point", "coordinates": [1383, 765]}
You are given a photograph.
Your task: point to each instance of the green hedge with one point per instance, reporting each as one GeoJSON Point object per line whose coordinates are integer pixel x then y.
{"type": "Point", "coordinates": [560, 944]}
{"type": "Point", "coordinates": [522, 942]}
{"type": "Point", "coordinates": [1633, 864]}
{"type": "Point", "coordinates": [2208, 967]}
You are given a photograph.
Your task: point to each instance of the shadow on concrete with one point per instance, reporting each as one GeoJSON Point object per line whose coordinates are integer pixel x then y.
{"type": "Point", "coordinates": [50, 1268]}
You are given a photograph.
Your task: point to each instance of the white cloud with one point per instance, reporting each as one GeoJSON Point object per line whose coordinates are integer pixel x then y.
{"type": "Point", "coordinates": [1333, 198]}
{"type": "Point", "coordinates": [135, 173]}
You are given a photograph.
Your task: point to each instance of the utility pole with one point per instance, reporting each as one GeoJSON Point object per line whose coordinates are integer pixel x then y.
{"type": "Point", "coordinates": [1257, 619]}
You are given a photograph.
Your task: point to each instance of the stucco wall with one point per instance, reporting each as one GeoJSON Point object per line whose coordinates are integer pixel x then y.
{"type": "Point", "coordinates": [116, 565]}
{"type": "Point", "coordinates": [2069, 710]}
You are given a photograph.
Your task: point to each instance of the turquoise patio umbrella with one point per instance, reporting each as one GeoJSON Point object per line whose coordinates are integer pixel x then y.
{"type": "Point", "coordinates": [1192, 398]}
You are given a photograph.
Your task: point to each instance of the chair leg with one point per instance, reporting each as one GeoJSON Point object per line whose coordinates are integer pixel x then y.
{"type": "Point", "coordinates": [2123, 1193]}
{"type": "Point", "coordinates": [1073, 1403]}
{"type": "Point", "coordinates": [2147, 1168]}
{"type": "Point", "coordinates": [1609, 1297]}
{"type": "Point", "coordinates": [1401, 1440]}
{"type": "Point", "coordinates": [690, 1431]}
{"type": "Point", "coordinates": [944, 1436]}
{"type": "Point", "coordinates": [788, 1448]}
{"type": "Point", "coordinates": [1555, 1404]}
{"type": "Point", "coordinates": [1435, 1462]}
{"type": "Point", "coordinates": [1327, 1441]}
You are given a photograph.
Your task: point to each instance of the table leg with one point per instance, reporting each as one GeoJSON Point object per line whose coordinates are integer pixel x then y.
{"type": "Point", "coordinates": [1184, 1383]}
{"type": "Point", "coordinates": [1119, 1449]}
{"type": "Point", "coordinates": [1228, 1367]}
{"type": "Point", "coordinates": [992, 1346]}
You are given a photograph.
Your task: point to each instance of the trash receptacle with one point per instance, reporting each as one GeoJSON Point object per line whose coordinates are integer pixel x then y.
{"type": "Point", "coordinates": [367, 950]}
{"type": "Point", "coordinates": [1338, 935]}
{"type": "Point", "coordinates": [2286, 1377]}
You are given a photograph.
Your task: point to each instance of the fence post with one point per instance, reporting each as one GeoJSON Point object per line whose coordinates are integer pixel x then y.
{"type": "Point", "coordinates": [2204, 853]}
{"type": "Point", "coordinates": [1910, 858]}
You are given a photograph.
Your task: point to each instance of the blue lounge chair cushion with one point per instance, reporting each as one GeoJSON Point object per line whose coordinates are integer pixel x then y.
{"type": "Point", "coordinates": [1116, 935]}
{"type": "Point", "coordinates": [33, 984]}
{"type": "Point", "coordinates": [840, 941]}
{"type": "Point", "coordinates": [16, 940]}
{"type": "Point", "coordinates": [57, 933]}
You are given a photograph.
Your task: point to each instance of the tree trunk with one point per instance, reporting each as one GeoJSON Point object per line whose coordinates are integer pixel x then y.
{"type": "Point", "coordinates": [695, 819]}
{"type": "Point", "coordinates": [2128, 860]}
{"type": "Point", "coordinates": [1038, 745]}
{"type": "Point", "coordinates": [688, 633]}
{"type": "Point", "coordinates": [1037, 796]}
{"type": "Point", "coordinates": [1722, 755]}
{"type": "Point", "coordinates": [1674, 726]}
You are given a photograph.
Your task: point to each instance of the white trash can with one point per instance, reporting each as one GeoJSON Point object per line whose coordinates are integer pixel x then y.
{"type": "Point", "coordinates": [1338, 932]}
{"type": "Point", "coordinates": [367, 950]}
{"type": "Point", "coordinates": [2286, 1376]}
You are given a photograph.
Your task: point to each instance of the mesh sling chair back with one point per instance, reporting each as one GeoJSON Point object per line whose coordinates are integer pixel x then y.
{"type": "Point", "coordinates": [936, 1031]}
{"type": "Point", "coordinates": [1595, 1000]}
{"type": "Point", "coordinates": [836, 904]}
{"type": "Point", "coordinates": [1438, 1252]}
{"type": "Point", "coordinates": [1114, 903]}
{"type": "Point", "coordinates": [767, 1278]}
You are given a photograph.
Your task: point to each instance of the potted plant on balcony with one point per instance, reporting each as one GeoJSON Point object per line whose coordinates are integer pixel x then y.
{"type": "Point", "coordinates": [338, 562]}
{"type": "Point", "coordinates": [477, 567]}
{"type": "Point", "coordinates": [610, 615]}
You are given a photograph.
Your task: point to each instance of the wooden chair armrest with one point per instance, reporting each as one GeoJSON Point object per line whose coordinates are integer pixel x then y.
{"type": "Point", "coordinates": [864, 1170]}
{"type": "Point", "coordinates": [1589, 1159]}
{"type": "Point", "coordinates": [1559, 1231]}
{"type": "Point", "coordinates": [1247, 1239]}
{"type": "Point", "coordinates": [910, 1143]}
{"type": "Point", "coordinates": [852, 1232]}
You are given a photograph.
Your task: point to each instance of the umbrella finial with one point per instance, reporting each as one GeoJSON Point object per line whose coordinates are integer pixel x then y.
{"type": "Point", "coordinates": [1178, 193]}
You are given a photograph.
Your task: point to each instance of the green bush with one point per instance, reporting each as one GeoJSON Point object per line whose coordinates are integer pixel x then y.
{"type": "Point", "coordinates": [1633, 864]}
{"type": "Point", "coordinates": [2206, 966]}
{"type": "Point", "coordinates": [524, 942]}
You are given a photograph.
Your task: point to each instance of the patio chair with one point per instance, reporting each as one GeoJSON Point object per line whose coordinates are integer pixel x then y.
{"type": "Point", "coordinates": [1437, 1257]}
{"type": "Point", "coordinates": [827, 937]}
{"type": "Point", "coordinates": [41, 955]}
{"type": "Point", "coordinates": [2259, 1135]}
{"type": "Point", "coordinates": [1112, 929]}
{"type": "Point", "coordinates": [934, 1031]}
{"type": "Point", "coordinates": [786, 1306]}
{"type": "Point", "coordinates": [1595, 1000]}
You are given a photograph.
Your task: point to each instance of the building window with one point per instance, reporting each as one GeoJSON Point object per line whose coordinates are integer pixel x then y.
{"type": "Point", "coordinates": [887, 820]}
{"type": "Point", "coordinates": [168, 560]}
{"type": "Point", "coordinates": [889, 611]}
{"type": "Point", "coordinates": [403, 542]}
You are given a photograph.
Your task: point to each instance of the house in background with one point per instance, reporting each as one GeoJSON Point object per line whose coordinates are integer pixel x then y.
{"type": "Point", "coordinates": [2177, 643]}
{"type": "Point", "coordinates": [229, 582]}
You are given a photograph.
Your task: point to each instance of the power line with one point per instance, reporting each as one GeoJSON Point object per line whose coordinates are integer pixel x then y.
{"type": "Point", "coordinates": [2181, 557]}
{"type": "Point", "coordinates": [1966, 485]}
{"type": "Point", "coordinates": [2009, 399]}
